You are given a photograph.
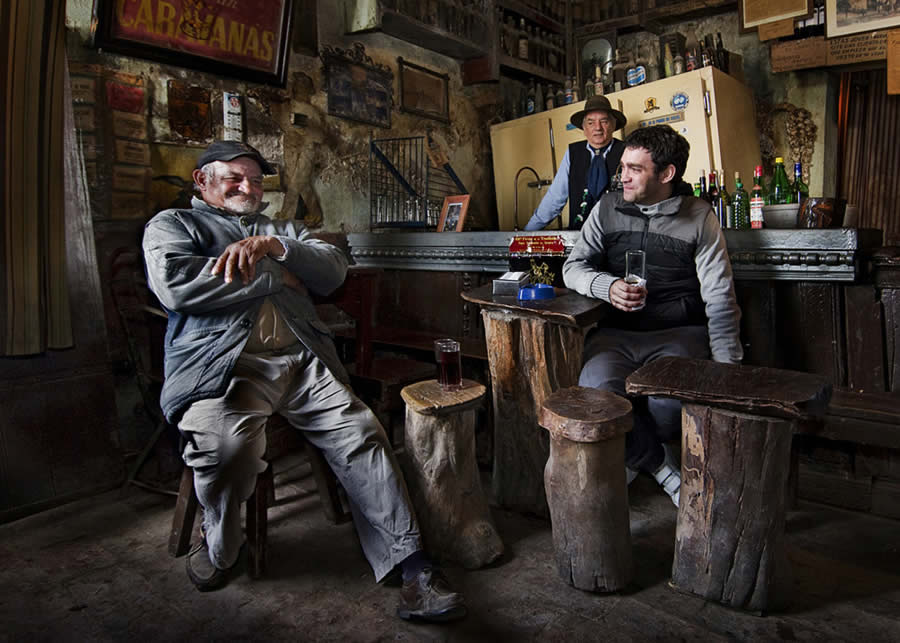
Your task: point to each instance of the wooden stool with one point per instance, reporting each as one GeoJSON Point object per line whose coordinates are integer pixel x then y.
{"type": "Point", "coordinates": [586, 488]}
{"type": "Point", "coordinates": [737, 425]}
{"type": "Point", "coordinates": [258, 504]}
{"type": "Point", "coordinates": [442, 474]}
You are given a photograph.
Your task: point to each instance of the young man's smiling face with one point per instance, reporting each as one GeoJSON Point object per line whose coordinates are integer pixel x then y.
{"type": "Point", "coordinates": [641, 183]}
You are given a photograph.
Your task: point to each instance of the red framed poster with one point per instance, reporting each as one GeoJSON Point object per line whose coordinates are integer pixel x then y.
{"type": "Point", "coordinates": [240, 38]}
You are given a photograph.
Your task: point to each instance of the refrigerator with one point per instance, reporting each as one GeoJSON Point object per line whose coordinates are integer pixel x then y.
{"type": "Point", "coordinates": [713, 110]}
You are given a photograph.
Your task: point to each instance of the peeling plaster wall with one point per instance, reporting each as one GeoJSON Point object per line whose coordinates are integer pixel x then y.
{"type": "Point", "coordinates": [814, 90]}
{"type": "Point", "coordinates": [326, 161]}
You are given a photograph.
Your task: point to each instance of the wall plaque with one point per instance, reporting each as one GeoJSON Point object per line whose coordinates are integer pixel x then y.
{"type": "Point", "coordinates": [125, 98]}
{"type": "Point", "coordinates": [132, 152]}
{"type": "Point", "coordinates": [84, 90]}
{"type": "Point", "coordinates": [130, 178]}
{"type": "Point", "coordinates": [189, 111]}
{"type": "Point", "coordinates": [128, 125]}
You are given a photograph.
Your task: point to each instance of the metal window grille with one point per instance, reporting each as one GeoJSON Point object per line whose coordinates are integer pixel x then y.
{"type": "Point", "coordinates": [405, 190]}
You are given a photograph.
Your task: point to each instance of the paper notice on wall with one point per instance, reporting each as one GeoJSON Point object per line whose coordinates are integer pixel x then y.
{"type": "Point", "coordinates": [893, 62]}
{"type": "Point", "coordinates": [849, 50]}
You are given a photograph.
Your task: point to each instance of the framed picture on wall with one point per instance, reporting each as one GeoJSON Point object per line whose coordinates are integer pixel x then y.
{"type": "Point", "coordinates": [247, 40]}
{"type": "Point", "coordinates": [424, 92]}
{"type": "Point", "coordinates": [358, 88]}
{"type": "Point", "coordinates": [843, 17]}
{"type": "Point", "coordinates": [453, 214]}
{"type": "Point", "coordinates": [755, 13]}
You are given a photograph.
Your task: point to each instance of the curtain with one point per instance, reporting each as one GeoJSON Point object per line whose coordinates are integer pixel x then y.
{"type": "Point", "coordinates": [869, 131]}
{"type": "Point", "coordinates": [33, 289]}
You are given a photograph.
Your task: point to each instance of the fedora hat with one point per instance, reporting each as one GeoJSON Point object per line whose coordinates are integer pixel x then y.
{"type": "Point", "coordinates": [598, 104]}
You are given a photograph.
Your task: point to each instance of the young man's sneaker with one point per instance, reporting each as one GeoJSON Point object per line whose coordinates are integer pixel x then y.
{"type": "Point", "coordinates": [205, 576]}
{"type": "Point", "coordinates": [427, 596]}
{"type": "Point", "coordinates": [669, 475]}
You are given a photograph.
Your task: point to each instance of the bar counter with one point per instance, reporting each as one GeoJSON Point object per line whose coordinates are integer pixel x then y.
{"type": "Point", "coordinates": [835, 254]}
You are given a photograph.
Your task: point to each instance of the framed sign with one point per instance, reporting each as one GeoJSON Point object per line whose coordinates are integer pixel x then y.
{"type": "Point", "coordinates": [844, 17]}
{"type": "Point", "coordinates": [453, 214]}
{"type": "Point", "coordinates": [754, 13]}
{"type": "Point", "coordinates": [238, 38]}
{"type": "Point", "coordinates": [424, 92]}
{"type": "Point", "coordinates": [358, 88]}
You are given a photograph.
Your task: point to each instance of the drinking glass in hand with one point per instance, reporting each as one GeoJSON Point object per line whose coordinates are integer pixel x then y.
{"type": "Point", "coordinates": [446, 353]}
{"type": "Point", "coordinates": [635, 264]}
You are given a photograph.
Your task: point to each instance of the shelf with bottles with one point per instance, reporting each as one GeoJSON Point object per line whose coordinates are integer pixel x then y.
{"type": "Point", "coordinates": [456, 28]}
{"type": "Point", "coordinates": [636, 15]}
{"type": "Point", "coordinates": [527, 43]}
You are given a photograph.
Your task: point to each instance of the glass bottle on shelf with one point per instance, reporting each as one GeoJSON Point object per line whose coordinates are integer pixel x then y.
{"type": "Point", "coordinates": [523, 40]}
{"type": "Point", "coordinates": [678, 64]}
{"type": "Point", "coordinates": [703, 193]}
{"type": "Point", "coordinates": [560, 98]}
{"type": "Point", "coordinates": [757, 200]}
{"type": "Point", "coordinates": [721, 53]}
{"type": "Point", "coordinates": [668, 62]}
{"type": "Point", "coordinates": [588, 88]}
{"type": "Point", "coordinates": [740, 205]}
{"type": "Point", "coordinates": [550, 98]}
{"type": "Point", "coordinates": [569, 97]}
{"type": "Point", "coordinates": [539, 98]}
{"type": "Point", "coordinates": [599, 81]}
{"type": "Point", "coordinates": [800, 189]}
{"type": "Point", "coordinates": [724, 200]}
{"type": "Point", "coordinates": [530, 98]}
{"type": "Point", "coordinates": [780, 188]}
{"type": "Point", "coordinates": [512, 38]}
{"type": "Point", "coordinates": [620, 68]}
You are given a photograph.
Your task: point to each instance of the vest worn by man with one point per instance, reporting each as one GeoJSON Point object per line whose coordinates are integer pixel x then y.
{"type": "Point", "coordinates": [579, 164]}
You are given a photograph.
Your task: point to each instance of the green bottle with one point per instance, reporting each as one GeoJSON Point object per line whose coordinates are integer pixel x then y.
{"type": "Point", "coordinates": [740, 205]}
{"type": "Point", "coordinates": [800, 190]}
{"type": "Point", "coordinates": [780, 191]}
{"type": "Point", "coordinates": [725, 200]}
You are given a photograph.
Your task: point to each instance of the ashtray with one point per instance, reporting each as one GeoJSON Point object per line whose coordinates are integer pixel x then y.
{"type": "Point", "coordinates": [537, 291]}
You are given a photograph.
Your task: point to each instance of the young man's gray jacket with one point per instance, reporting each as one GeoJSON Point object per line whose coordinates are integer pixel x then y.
{"type": "Point", "coordinates": [210, 320]}
{"type": "Point", "coordinates": [689, 278]}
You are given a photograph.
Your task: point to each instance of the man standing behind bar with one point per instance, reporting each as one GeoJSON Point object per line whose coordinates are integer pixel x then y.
{"type": "Point", "coordinates": [586, 168]}
{"type": "Point", "coordinates": [687, 307]}
{"type": "Point", "coordinates": [243, 342]}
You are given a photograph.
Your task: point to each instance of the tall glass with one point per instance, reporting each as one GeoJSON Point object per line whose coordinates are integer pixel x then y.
{"type": "Point", "coordinates": [635, 271]}
{"type": "Point", "coordinates": [446, 353]}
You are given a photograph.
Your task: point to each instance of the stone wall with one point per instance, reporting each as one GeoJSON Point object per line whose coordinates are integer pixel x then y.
{"type": "Point", "coordinates": [324, 161]}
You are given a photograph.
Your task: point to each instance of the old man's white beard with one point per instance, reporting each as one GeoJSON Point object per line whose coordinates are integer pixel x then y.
{"type": "Point", "coordinates": [243, 204]}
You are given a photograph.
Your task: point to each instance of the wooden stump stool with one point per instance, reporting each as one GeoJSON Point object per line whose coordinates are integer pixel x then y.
{"type": "Point", "coordinates": [442, 474]}
{"type": "Point", "coordinates": [737, 425]}
{"type": "Point", "coordinates": [586, 488]}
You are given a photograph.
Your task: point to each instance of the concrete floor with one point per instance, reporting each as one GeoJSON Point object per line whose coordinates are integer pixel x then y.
{"type": "Point", "coordinates": [98, 569]}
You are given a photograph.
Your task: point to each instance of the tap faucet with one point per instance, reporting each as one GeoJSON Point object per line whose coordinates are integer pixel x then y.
{"type": "Point", "coordinates": [516, 192]}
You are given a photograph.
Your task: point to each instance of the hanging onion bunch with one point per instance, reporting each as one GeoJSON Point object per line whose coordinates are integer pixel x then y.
{"type": "Point", "coordinates": [801, 133]}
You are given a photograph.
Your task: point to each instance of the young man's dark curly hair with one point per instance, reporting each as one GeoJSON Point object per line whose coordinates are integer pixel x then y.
{"type": "Point", "coordinates": [665, 145]}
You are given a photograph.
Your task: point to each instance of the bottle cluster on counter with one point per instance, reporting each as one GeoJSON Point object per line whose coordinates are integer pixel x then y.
{"type": "Point", "coordinates": [742, 210]}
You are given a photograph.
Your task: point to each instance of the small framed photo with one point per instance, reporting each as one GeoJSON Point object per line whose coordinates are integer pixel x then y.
{"type": "Point", "coordinates": [453, 214]}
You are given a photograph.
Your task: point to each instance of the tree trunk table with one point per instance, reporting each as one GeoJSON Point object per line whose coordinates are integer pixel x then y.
{"type": "Point", "coordinates": [586, 489]}
{"type": "Point", "coordinates": [534, 348]}
{"type": "Point", "coordinates": [737, 425]}
{"type": "Point", "coordinates": [442, 474]}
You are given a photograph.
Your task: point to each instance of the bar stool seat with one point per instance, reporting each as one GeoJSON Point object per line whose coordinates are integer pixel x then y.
{"type": "Point", "coordinates": [586, 489]}
{"type": "Point", "coordinates": [442, 474]}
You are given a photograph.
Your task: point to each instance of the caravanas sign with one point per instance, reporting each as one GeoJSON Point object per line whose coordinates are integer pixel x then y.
{"type": "Point", "coordinates": [241, 38]}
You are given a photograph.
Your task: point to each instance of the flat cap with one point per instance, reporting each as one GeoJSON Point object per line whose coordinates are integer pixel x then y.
{"type": "Point", "coordinates": [230, 150]}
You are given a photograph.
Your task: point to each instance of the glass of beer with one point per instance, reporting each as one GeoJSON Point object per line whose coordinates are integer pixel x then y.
{"type": "Point", "coordinates": [446, 353]}
{"type": "Point", "coordinates": [635, 266]}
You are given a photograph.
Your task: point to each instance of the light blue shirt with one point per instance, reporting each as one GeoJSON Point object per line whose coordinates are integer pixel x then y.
{"type": "Point", "coordinates": [558, 193]}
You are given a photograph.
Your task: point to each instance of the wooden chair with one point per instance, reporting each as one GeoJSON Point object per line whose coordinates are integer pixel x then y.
{"type": "Point", "coordinates": [279, 436]}
{"type": "Point", "coordinates": [377, 381]}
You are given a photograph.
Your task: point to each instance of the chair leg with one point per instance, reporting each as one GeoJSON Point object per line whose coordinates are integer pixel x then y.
{"type": "Point", "coordinates": [257, 507]}
{"type": "Point", "coordinates": [185, 511]}
{"type": "Point", "coordinates": [326, 484]}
